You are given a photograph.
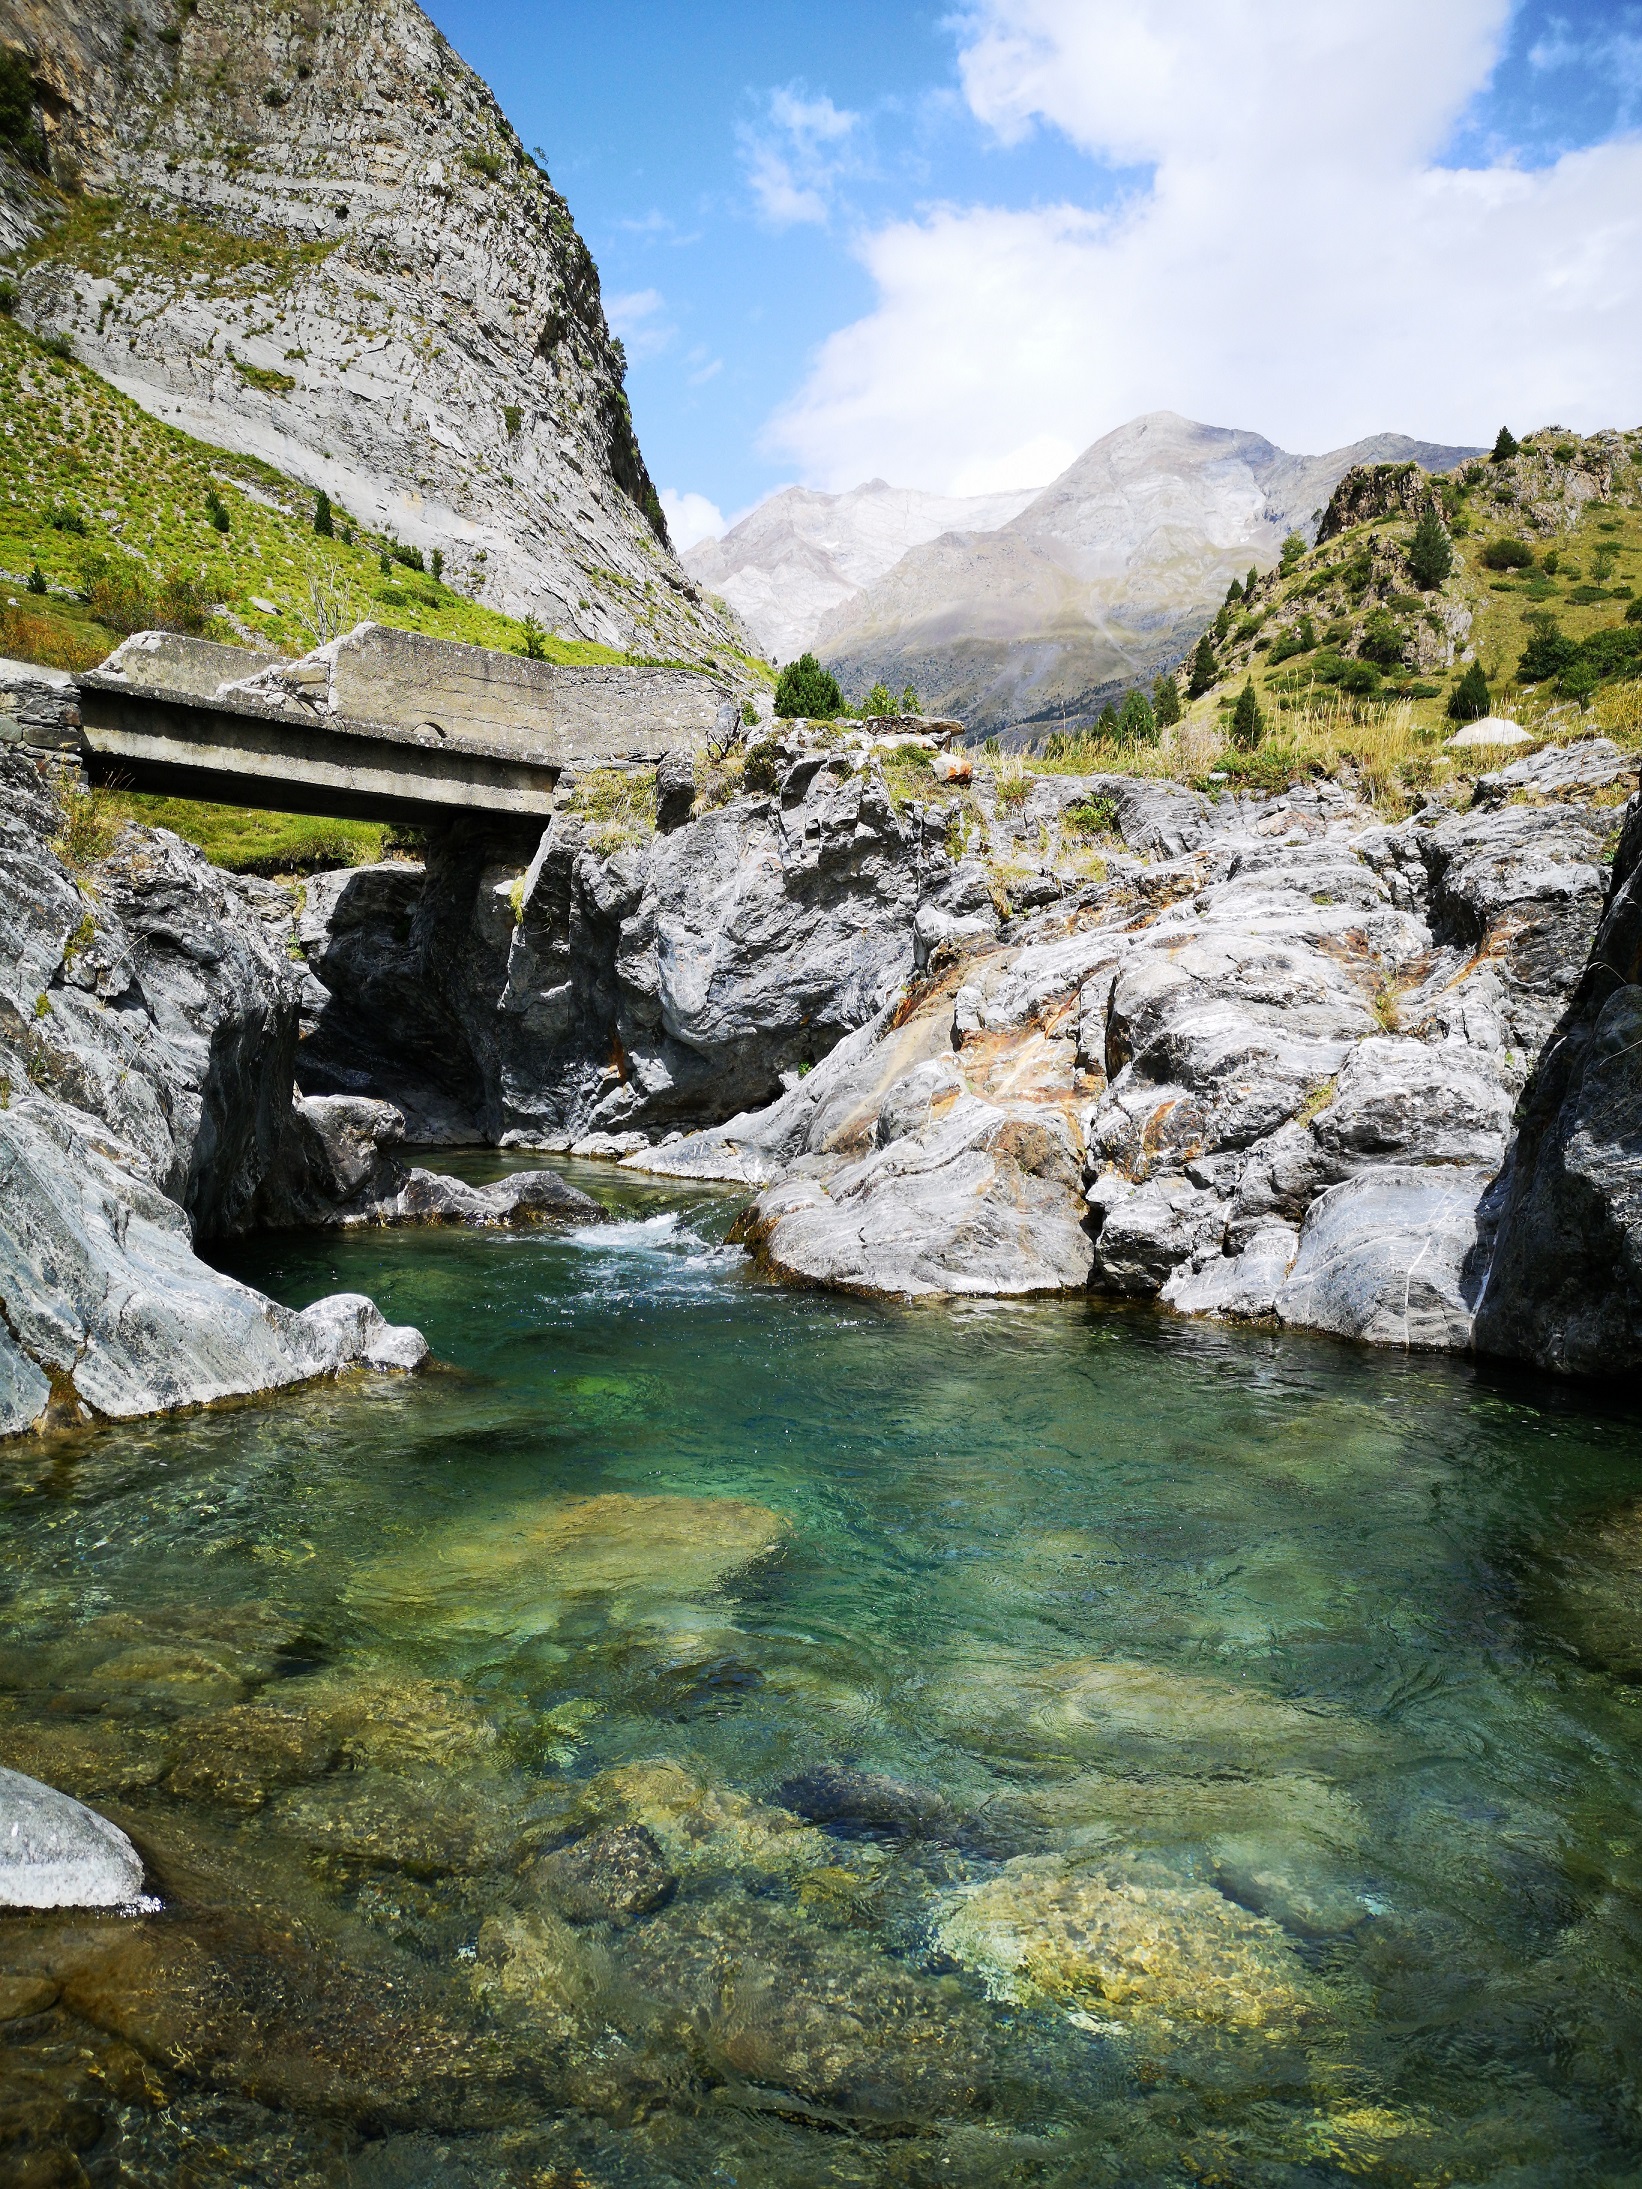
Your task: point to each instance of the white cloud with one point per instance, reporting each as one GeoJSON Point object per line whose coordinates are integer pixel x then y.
{"type": "Point", "coordinates": [1297, 260]}
{"type": "Point", "coordinates": [691, 517]}
{"type": "Point", "coordinates": [795, 158]}
{"type": "Point", "coordinates": [640, 319]}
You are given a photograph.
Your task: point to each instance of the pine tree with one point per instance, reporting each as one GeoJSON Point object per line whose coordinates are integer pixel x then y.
{"type": "Point", "coordinates": [1137, 725]}
{"type": "Point", "coordinates": [1251, 585]}
{"type": "Point", "coordinates": [806, 692]}
{"type": "Point", "coordinates": [1430, 553]}
{"type": "Point", "coordinates": [1205, 669]}
{"type": "Point", "coordinates": [1234, 591]}
{"type": "Point", "coordinates": [322, 516]}
{"type": "Point", "coordinates": [1106, 722]}
{"type": "Point", "coordinates": [1470, 699]}
{"type": "Point", "coordinates": [1505, 446]}
{"type": "Point", "coordinates": [1166, 700]}
{"type": "Point", "coordinates": [1248, 724]}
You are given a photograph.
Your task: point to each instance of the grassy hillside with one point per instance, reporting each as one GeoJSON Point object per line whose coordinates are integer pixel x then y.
{"type": "Point", "coordinates": [111, 521]}
{"type": "Point", "coordinates": [1347, 651]}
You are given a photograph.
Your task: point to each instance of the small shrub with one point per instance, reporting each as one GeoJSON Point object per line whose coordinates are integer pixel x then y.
{"type": "Point", "coordinates": [1294, 553]}
{"type": "Point", "coordinates": [488, 164]}
{"type": "Point", "coordinates": [1565, 452]}
{"type": "Point", "coordinates": [1507, 554]}
{"type": "Point", "coordinates": [438, 567]}
{"type": "Point", "coordinates": [62, 518]}
{"type": "Point", "coordinates": [762, 768]}
{"type": "Point", "coordinates": [533, 645]}
{"type": "Point", "coordinates": [9, 295]}
{"type": "Point", "coordinates": [216, 510]}
{"type": "Point", "coordinates": [324, 521]}
{"type": "Point", "coordinates": [805, 691]}
{"type": "Point", "coordinates": [1383, 639]}
{"type": "Point", "coordinates": [1505, 446]}
{"type": "Point", "coordinates": [37, 580]}
{"type": "Point", "coordinates": [1360, 678]}
{"type": "Point", "coordinates": [91, 825]}
{"type": "Point", "coordinates": [1090, 817]}
{"type": "Point", "coordinates": [410, 558]}
{"type": "Point", "coordinates": [910, 702]}
{"type": "Point", "coordinates": [1470, 699]}
{"type": "Point", "coordinates": [878, 702]}
{"type": "Point", "coordinates": [1579, 680]}
{"type": "Point", "coordinates": [1550, 562]}
{"type": "Point", "coordinates": [264, 377]}
{"type": "Point", "coordinates": [513, 418]}
{"type": "Point", "coordinates": [58, 345]}
{"type": "Point", "coordinates": [1548, 653]}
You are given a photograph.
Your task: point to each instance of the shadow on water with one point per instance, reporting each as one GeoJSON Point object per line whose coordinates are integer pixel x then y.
{"type": "Point", "coordinates": [708, 1732]}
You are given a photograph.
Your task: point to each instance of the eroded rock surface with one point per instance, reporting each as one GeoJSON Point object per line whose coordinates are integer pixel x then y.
{"type": "Point", "coordinates": [148, 1016]}
{"type": "Point", "coordinates": [1262, 1062]}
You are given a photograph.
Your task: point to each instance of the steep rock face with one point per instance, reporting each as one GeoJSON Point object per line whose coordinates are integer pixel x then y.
{"type": "Point", "coordinates": [314, 239]}
{"type": "Point", "coordinates": [631, 989]}
{"type": "Point", "coordinates": [148, 1015]}
{"type": "Point", "coordinates": [1565, 1288]}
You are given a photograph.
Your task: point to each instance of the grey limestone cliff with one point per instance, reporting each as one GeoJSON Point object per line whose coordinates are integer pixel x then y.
{"type": "Point", "coordinates": [310, 235]}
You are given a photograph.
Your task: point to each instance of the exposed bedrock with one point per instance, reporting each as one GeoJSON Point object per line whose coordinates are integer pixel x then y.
{"type": "Point", "coordinates": [1264, 1065]}
{"type": "Point", "coordinates": [148, 1016]}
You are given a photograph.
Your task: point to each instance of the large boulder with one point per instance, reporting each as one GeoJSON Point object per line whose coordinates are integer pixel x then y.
{"type": "Point", "coordinates": [57, 1853]}
{"type": "Point", "coordinates": [1565, 1286]}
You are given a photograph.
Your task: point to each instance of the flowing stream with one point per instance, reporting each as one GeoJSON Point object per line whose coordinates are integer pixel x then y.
{"type": "Point", "coordinates": [711, 1733]}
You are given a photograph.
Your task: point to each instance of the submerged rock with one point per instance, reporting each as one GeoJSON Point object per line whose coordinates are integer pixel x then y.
{"type": "Point", "coordinates": [865, 1802]}
{"type": "Point", "coordinates": [611, 1876]}
{"type": "Point", "coordinates": [57, 1853]}
{"type": "Point", "coordinates": [519, 1574]}
{"type": "Point", "coordinates": [1126, 1943]}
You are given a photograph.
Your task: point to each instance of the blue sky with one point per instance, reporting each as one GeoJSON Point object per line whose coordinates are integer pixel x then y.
{"type": "Point", "coordinates": [757, 182]}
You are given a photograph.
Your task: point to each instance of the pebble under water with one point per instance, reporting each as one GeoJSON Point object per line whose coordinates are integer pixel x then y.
{"type": "Point", "coordinates": [711, 1733]}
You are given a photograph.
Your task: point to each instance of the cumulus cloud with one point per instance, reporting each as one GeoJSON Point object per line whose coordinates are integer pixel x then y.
{"type": "Point", "coordinates": [1286, 250]}
{"type": "Point", "coordinates": [691, 517]}
{"type": "Point", "coordinates": [795, 156]}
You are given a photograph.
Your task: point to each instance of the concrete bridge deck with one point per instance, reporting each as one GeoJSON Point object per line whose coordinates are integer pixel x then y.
{"type": "Point", "coordinates": [379, 725]}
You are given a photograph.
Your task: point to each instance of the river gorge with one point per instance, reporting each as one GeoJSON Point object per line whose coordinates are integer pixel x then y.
{"type": "Point", "coordinates": [704, 1732]}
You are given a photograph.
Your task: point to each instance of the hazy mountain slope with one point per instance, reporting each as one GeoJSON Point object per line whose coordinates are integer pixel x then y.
{"type": "Point", "coordinates": [801, 555]}
{"type": "Point", "coordinates": [1099, 581]}
{"type": "Point", "coordinates": [308, 234]}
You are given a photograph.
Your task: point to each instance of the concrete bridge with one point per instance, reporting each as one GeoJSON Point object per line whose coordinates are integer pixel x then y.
{"type": "Point", "coordinates": [380, 725]}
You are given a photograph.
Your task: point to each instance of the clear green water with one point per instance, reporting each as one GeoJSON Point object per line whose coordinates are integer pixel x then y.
{"type": "Point", "coordinates": [1267, 1768]}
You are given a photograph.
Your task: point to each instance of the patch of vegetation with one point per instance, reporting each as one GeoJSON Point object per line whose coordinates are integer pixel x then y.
{"type": "Point", "coordinates": [266, 377]}
{"type": "Point", "coordinates": [618, 804]}
{"type": "Point", "coordinates": [806, 692]}
{"type": "Point", "coordinates": [108, 238]}
{"type": "Point", "coordinates": [143, 547]}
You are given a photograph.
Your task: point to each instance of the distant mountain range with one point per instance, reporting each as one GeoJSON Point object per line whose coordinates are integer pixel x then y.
{"type": "Point", "coordinates": [1030, 607]}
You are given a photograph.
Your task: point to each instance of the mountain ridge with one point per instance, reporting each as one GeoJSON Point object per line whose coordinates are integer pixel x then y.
{"type": "Point", "coordinates": [1094, 584]}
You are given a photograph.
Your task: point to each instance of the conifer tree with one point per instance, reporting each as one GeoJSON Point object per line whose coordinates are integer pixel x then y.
{"type": "Point", "coordinates": [1505, 446]}
{"type": "Point", "coordinates": [323, 524]}
{"type": "Point", "coordinates": [1430, 553]}
{"type": "Point", "coordinates": [1106, 722]}
{"type": "Point", "coordinates": [1251, 584]}
{"type": "Point", "coordinates": [1205, 669]}
{"type": "Point", "coordinates": [1137, 725]}
{"type": "Point", "coordinates": [1248, 724]}
{"type": "Point", "coordinates": [1470, 699]}
{"type": "Point", "coordinates": [1234, 591]}
{"type": "Point", "coordinates": [1166, 700]}
{"type": "Point", "coordinates": [806, 692]}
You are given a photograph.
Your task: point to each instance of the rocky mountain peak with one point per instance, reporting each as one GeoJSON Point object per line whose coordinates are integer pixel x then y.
{"type": "Point", "coordinates": [310, 235]}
